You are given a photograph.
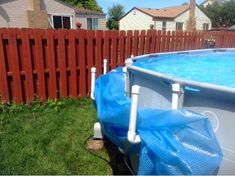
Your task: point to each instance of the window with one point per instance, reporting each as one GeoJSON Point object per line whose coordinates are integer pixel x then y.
{"type": "Point", "coordinates": [179, 26]}
{"type": "Point", "coordinates": [61, 22]}
{"type": "Point", "coordinates": [92, 23]}
{"type": "Point", "coordinates": [164, 26]}
{"type": "Point", "coordinates": [205, 26]}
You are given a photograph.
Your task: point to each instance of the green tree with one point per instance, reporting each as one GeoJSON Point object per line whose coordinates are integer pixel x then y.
{"type": "Point", "coordinates": [114, 15]}
{"type": "Point", "coordinates": [221, 15]}
{"type": "Point", "coordinates": [87, 4]}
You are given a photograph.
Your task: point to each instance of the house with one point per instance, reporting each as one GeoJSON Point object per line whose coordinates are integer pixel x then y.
{"type": "Point", "coordinates": [90, 19]}
{"type": "Point", "coordinates": [184, 17]}
{"type": "Point", "coordinates": [48, 14]}
{"type": "Point", "coordinates": [232, 28]}
{"type": "Point", "coordinates": [210, 2]}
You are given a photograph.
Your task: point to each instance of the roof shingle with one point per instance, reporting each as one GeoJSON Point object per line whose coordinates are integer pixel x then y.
{"type": "Point", "coordinates": [169, 12]}
{"type": "Point", "coordinates": [87, 12]}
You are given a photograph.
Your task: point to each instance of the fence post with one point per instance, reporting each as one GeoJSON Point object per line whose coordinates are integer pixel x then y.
{"type": "Point", "coordinates": [4, 89]}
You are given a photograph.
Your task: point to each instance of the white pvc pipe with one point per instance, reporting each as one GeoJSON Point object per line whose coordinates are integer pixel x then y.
{"type": "Point", "coordinates": [128, 62]}
{"type": "Point", "coordinates": [97, 131]}
{"type": "Point", "coordinates": [125, 79]}
{"type": "Point", "coordinates": [132, 136]}
{"type": "Point", "coordinates": [105, 66]}
{"type": "Point", "coordinates": [176, 93]}
{"type": "Point", "coordinates": [93, 74]}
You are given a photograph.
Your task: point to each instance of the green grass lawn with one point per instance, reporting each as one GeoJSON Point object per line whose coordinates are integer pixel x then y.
{"type": "Point", "coordinates": [49, 139]}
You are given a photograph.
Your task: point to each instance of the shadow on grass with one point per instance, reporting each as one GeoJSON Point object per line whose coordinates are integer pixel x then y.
{"type": "Point", "coordinates": [116, 158]}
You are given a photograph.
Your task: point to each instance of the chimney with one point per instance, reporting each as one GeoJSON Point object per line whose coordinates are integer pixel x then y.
{"type": "Point", "coordinates": [36, 5]}
{"type": "Point", "coordinates": [37, 18]}
{"type": "Point", "coordinates": [192, 9]}
{"type": "Point", "coordinates": [192, 21]}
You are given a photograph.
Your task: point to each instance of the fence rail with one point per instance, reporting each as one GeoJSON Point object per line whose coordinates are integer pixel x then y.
{"type": "Point", "coordinates": [56, 63]}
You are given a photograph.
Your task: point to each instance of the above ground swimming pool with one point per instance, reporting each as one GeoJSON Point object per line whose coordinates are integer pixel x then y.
{"type": "Point", "coordinates": [202, 81]}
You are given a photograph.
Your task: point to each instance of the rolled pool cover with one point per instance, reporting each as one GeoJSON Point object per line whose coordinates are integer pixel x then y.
{"type": "Point", "coordinates": [172, 141]}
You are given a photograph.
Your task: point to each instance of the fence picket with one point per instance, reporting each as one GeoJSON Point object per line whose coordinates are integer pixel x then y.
{"type": "Point", "coordinates": [73, 64]}
{"type": "Point", "coordinates": [122, 46]}
{"type": "Point", "coordinates": [168, 41]}
{"type": "Point", "coordinates": [52, 65]}
{"type": "Point", "coordinates": [153, 41]}
{"type": "Point", "coordinates": [29, 89]}
{"type": "Point", "coordinates": [136, 43]}
{"type": "Point", "coordinates": [159, 38]}
{"type": "Point", "coordinates": [172, 41]}
{"type": "Point", "coordinates": [142, 42]}
{"type": "Point", "coordinates": [163, 41]}
{"type": "Point", "coordinates": [57, 63]}
{"type": "Point", "coordinates": [82, 64]}
{"type": "Point", "coordinates": [114, 50]}
{"type": "Point", "coordinates": [107, 36]}
{"type": "Point", "coordinates": [185, 40]}
{"type": "Point", "coordinates": [148, 40]}
{"type": "Point", "coordinates": [15, 65]}
{"type": "Point", "coordinates": [4, 93]}
{"type": "Point", "coordinates": [129, 44]}
{"type": "Point", "coordinates": [99, 56]}
{"type": "Point", "coordinates": [62, 63]}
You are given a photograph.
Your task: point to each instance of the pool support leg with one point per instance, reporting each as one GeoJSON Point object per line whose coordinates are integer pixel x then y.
{"type": "Point", "coordinates": [124, 70]}
{"type": "Point", "coordinates": [177, 96]}
{"type": "Point", "coordinates": [97, 131]}
{"type": "Point", "coordinates": [132, 136]}
{"type": "Point", "coordinates": [128, 62]}
{"type": "Point", "coordinates": [105, 66]}
{"type": "Point", "coordinates": [93, 74]}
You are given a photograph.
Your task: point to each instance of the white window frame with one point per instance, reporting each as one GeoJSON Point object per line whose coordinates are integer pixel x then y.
{"type": "Point", "coordinates": [164, 28]}
{"type": "Point", "coordinates": [179, 23]}
{"type": "Point", "coordinates": [205, 24]}
{"type": "Point", "coordinates": [62, 15]}
{"type": "Point", "coordinates": [92, 23]}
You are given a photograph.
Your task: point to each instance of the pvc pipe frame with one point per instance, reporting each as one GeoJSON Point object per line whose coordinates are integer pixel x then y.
{"type": "Point", "coordinates": [131, 135]}
{"type": "Point", "coordinates": [177, 93]}
{"type": "Point", "coordinates": [105, 66]}
{"type": "Point", "coordinates": [128, 62]}
{"type": "Point", "coordinates": [124, 70]}
{"type": "Point", "coordinates": [93, 75]}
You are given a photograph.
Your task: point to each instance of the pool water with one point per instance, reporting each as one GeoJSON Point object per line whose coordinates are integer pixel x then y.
{"type": "Point", "coordinates": [209, 67]}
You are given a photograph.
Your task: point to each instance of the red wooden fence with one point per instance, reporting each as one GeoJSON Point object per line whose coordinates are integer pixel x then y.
{"type": "Point", "coordinates": [56, 63]}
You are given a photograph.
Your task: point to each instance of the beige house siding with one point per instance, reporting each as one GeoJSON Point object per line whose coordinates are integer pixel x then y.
{"type": "Point", "coordinates": [53, 7]}
{"type": "Point", "coordinates": [83, 20]}
{"type": "Point", "coordinates": [170, 25]}
{"type": "Point", "coordinates": [102, 24]}
{"type": "Point", "coordinates": [205, 4]}
{"type": "Point", "coordinates": [39, 14]}
{"type": "Point", "coordinates": [136, 20]}
{"type": "Point", "coordinates": [183, 18]}
{"type": "Point", "coordinates": [201, 18]}
{"type": "Point", "coordinates": [140, 21]}
{"type": "Point", "coordinates": [13, 13]}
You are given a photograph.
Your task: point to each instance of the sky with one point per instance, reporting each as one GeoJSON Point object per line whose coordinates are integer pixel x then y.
{"type": "Point", "coordinates": [128, 4]}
